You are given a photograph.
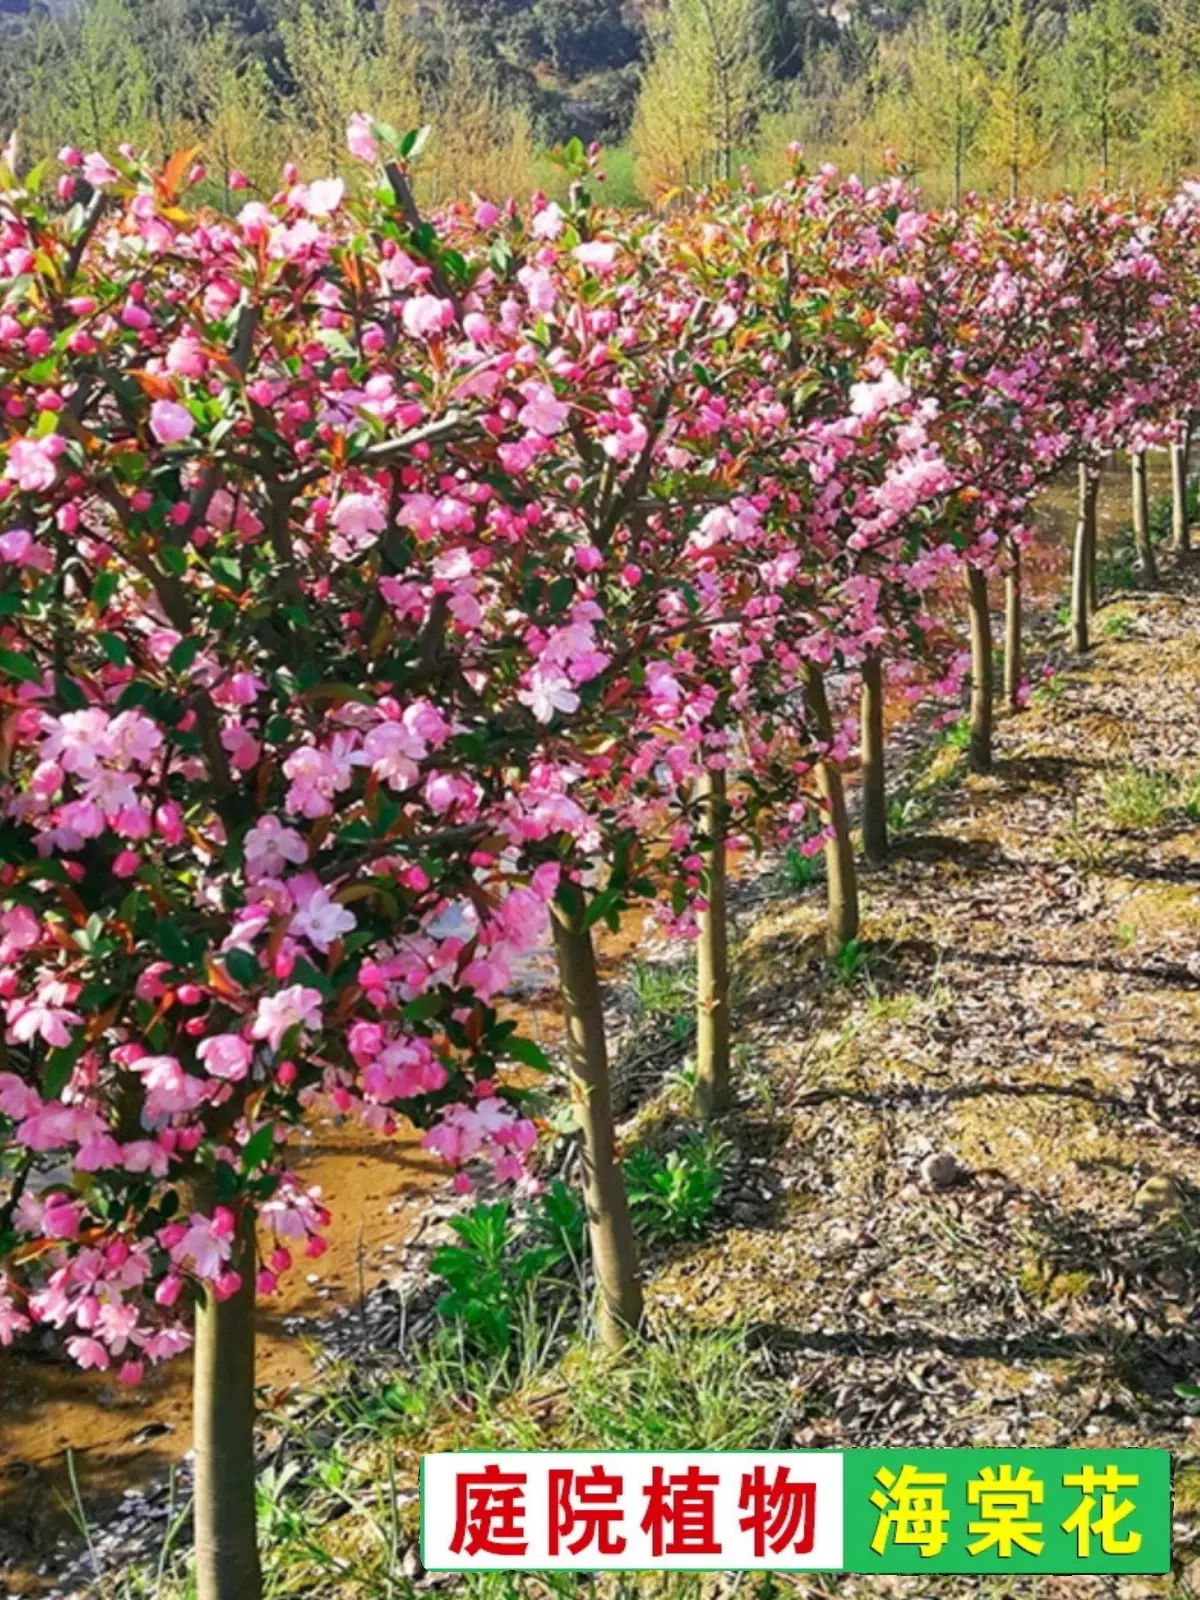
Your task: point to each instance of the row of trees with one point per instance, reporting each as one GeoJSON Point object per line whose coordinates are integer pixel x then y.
{"type": "Point", "coordinates": [246, 81]}
{"type": "Point", "coordinates": [375, 592]}
{"type": "Point", "coordinates": [1007, 96]}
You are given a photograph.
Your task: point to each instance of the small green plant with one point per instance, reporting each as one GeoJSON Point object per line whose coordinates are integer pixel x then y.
{"type": "Point", "coordinates": [672, 1197]}
{"type": "Point", "coordinates": [684, 1390]}
{"type": "Point", "coordinates": [1051, 689]}
{"type": "Point", "coordinates": [1137, 797]}
{"type": "Point", "coordinates": [1116, 567]}
{"type": "Point", "coordinates": [682, 1079]}
{"type": "Point", "coordinates": [850, 960]}
{"type": "Point", "coordinates": [498, 1268]}
{"type": "Point", "coordinates": [753, 1075]}
{"type": "Point", "coordinates": [1160, 518]}
{"type": "Point", "coordinates": [1078, 845]}
{"type": "Point", "coordinates": [1117, 625]}
{"type": "Point", "coordinates": [798, 871]}
{"type": "Point", "coordinates": [958, 734]}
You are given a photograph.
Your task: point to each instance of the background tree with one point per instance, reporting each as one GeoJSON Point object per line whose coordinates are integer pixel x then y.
{"type": "Point", "coordinates": [87, 77]}
{"type": "Point", "coordinates": [330, 56]}
{"type": "Point", "coordinates": [234, 109]}
{"type": "Point", "coordinates": [1015, 132]}
{"type": "Point", "coordinates": [949, 84]}
{"type": "Point", "coordinates": [705, 87]}
{"type": "Point", "coordinates": [1098, 76]}
{"type": "Point", "coordinates": [1171, 132]}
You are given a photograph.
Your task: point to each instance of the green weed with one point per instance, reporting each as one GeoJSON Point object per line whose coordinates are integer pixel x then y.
{"type": "Point", "coordinates": [672, 1197]}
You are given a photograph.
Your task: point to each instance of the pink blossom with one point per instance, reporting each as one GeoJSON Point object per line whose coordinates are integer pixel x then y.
{"type": "Point", "coordinates": [185, 357]}
{"type": "Point", "coordinates": [426, 314]}
{"type": "Point", "coordinates": [171, 423]}
{"type": "Point", "coordinates": [12, 1321]}
{"type": "Point", "coordinates": [360, 139]}
{"type": "Point", "coordinates": [225, 1055]}
{"type": "Point", "coordinates": [358, 517]}
{"type": "Point", "coordinates": [278, 1014]}
{"type": "Point", "coordinates": [542, 413]}
{"type": "Point", "coordinates": [97, 171]}
{"type": "Point", "coordinates": [599, 254]}
{"type": "Point", "coordinates": [270, 847]}
{"type": "Point", "coordinates": [204, 1247]}
{"type": "Point", "coordinates": [33, 463]}
{"type": "Point", "coordinates": [87, 1352]}
{"type": "Point", "coordinates": [321, 919]}
{"type": "Point", "coordinates": [324, 197]}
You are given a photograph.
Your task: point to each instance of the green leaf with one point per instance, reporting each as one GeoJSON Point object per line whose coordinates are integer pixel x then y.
{"type": "Point", "coordinates": [114, 648]}
{"type": "Point", "coordinates": [413, 142]}
{"type": "Point", "coordinates": [259, 1147]}
{"type": "Point", "coordinates": [562, 591]}
{"type": "Point", "coordinates": [183, 655]}
{"type": "Point", "coordinates": [242, 967]}
{"type": "Point", "coordinates": [19, 667]}
{"type": "Point", "coordinates": [602, 907]}
{"type": "Point", "coordinates": [173, 945]}
{"type": "Point", "coordinates": [104, 588]}
{"type": "Point", "coordinates": [423, 1007]}
{"type": "Point", "coordinates": [228, 570]}
{"type": "Point", "coordinates": [129, 466]}
{"type": "Point", "coordinates": [529, 1054]}
{"type": "Point", "coordinates": [59, 1066]}
{"type": "Point", "coordinates": [173, 559]}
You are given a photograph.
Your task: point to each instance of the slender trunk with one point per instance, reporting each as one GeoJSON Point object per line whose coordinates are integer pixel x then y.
{"type": "Point", "coordinates": [1147, 566]}
{"type": "Point", "coordinates": [874, 772]}
{"type": "Point", "coordinates": [840, 875]}
{"type": "Point", "coordinates": [713, 1094]}
{"type": "Point", "coordinates": [1081, 599]}
{"type": "Point", "coordinates": [979, 754]}
{"type": "Point", "coordinates": [1180, 533]}
{"type": "Point", "coordinates": [1012, 630]}
{"type": "Point", "coordinates": [614, 1253]}
{"type": "Point", "coordinates": [226, 1539]}
{"type": "Point", "coordinates": [1091, 501]}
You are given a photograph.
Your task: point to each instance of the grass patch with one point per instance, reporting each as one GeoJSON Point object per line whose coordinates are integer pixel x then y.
{"type": "Point", "coordinates": [1143, 797]}
{"type": "Point", "coordinates": [1117, 624]}
{"type": "Point", "coordinates": [1137, 797]}
{"type": "Point", "coordinates": [661, 991]}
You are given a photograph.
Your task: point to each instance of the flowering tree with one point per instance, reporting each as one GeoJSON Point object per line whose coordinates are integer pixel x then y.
{"type": "Point", "coordinates": [254, 812]}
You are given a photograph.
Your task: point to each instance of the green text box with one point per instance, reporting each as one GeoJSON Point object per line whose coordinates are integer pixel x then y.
{"type": "Point", "coordinates": [986, 1510]}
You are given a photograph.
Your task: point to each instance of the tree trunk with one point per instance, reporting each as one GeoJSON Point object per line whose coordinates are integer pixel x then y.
{"type": "Point", "coordinates": [614, 1253]}
{"type": "Point", "coordinates": [979, 753]}
{"type": "Point", "coordinates": [1081, 575]}
{"type": "Point", "coordinates": [840, 875]}
{"type": "Point", "coordinates": [1090, 504]}
{"type": "Point", "coordinates": [1012, 630]}
{"type": "Point", "coordinates": [226, 1539]}
{"type": "Point", "coordinates": [874, 772]}
{"type": "Point", "coordinates": [1180, 532]}
{"type": "Point", "coordinates": [1147, 566]}
{"type": "Point", "coordinates": [713, 1094]}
